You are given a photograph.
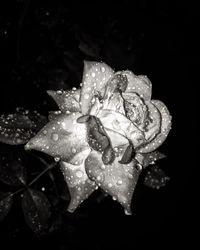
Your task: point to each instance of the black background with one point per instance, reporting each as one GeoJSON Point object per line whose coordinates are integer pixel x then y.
{"type": "Point", "coordinates": [43, 45]}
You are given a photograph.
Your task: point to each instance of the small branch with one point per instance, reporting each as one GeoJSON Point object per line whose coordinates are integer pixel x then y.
{"type": "Point", "coordinates": [18, 191]}
{"type": "Point", "coordinates": [42, 173]}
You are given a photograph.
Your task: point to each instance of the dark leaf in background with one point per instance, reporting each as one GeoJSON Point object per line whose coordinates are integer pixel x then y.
{"type": "Point", "coordinates": [6, 201]}
{"type": "Point", "coordinates": [13, 173]}
{"type": "Point", "coordinates": [151, 158]}
{"type": "Point", "coordinates": [36, 209]}
{"type": "Point", "coordinates": [18, 128]}
{"type": "Point", "coordinates": [155, 177]}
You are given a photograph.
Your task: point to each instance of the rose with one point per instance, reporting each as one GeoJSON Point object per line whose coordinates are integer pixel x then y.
{"type": "Point", "coordinates": [103, 131]}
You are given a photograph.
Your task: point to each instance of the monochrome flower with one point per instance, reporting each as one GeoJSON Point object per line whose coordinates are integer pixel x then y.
{"type": "Point", "coordinates": [102, 132]}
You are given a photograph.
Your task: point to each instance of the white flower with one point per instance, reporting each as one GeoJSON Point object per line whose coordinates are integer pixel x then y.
{"type": "Point", "coordinates": [100, 128]}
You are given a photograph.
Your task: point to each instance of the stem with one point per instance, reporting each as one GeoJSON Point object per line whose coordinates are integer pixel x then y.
{"type": "Point", "coordinates": [18, 191]}
{"type": "Point", "coordinates": [42, 173]}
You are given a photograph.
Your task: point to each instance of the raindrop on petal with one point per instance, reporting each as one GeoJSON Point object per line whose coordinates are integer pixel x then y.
{"type": "Point", "coordinates": [54, 136]}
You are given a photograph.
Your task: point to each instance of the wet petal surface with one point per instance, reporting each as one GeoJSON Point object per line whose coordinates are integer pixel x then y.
{"type": "Point", "coordinates": [62, 138]}
{"type": "Point", "coordinates": [164, 130]}
{"type": "Point", "coordinates": [118, 180]}
{"type": "Point", "coordinates": [95, 78]}
{"type": "Point", "coordinates": [80, 186]}
{"type": "Point", "coordinates": [66, 100]}
{"type": "Point", "coordinates": [140, 85]}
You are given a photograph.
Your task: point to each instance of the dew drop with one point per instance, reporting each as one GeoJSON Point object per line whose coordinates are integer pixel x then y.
{"type": "Point", "coordinates": [119, 182]}
{"type": "Point", "coordinates": [44, 132]}
{"type": "Point", "coordinates": [73, 150]}
{"type": "Point", "coordinates": [109, 185]}
{"type": "Point", "coordinates": [103, 167]}
{"type": "Point", "coordinates": [103, 69]}
{"type": "Point", "coordinates": [86, 96]}
{"type": "Point", "coordinates": [114, 198]}
{"type": "Point", "coordinates": [93, 74]}
{"type": "Point", "coordinates": [54, 136]}
{"type": "Point", "coordinates": [79, 173]}
{"type": "Point", "coordinates": [127, 212]}
{"type": "Point", "coordinates": [57, 159]}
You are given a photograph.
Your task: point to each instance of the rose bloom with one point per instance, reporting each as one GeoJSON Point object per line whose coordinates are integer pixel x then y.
{"type": "Point", "coordinates": [102, 132]}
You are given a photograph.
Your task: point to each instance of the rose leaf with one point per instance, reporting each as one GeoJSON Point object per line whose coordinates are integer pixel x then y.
{"type": "Point", "coordinates": [36, 209]}
{"type": "Point", "coordinates": [6, 201]}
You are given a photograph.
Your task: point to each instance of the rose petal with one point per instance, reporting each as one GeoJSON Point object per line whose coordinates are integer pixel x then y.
{"type": "Point", "coordinates": [80, 186]}
{"type": "Point", "coordinates": [118, 180]}
{"type": "Point", "coordinates": [62, 138]}
{"type": "Point", "coordinates": [53, 115]}
{"type": "Point", "coordinates": [154, 123]}
{"type": "Point", "coordinates": [122, 125]}
{"type": "Point", "coordinates": [66, 100]}
{"type": "Point", "coordinates": [138, 84]}
{"type": "Point", "coordinates": [95, 78]}
{"type": "Point", "coordinates": [136, 109]}
{"type": "Point", "coordinates": [165, 128]}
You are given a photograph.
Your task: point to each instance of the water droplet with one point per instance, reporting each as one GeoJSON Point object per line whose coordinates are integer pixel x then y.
{"type": "Point", "coordinates": [59, 92]}
{"type": "Point", "coordinates": [56, 158]}
{"type": "Point", "coordinates": [54, 136]}
{"type": "Point", "coordinates": [73, 150]}
{"type": "Point", "coordinates": [127, 212]}
{"type": "Point", "coordinates": [109, 185]}
{"type": "Point", "coordinates": [44, 132]}
{"type": "Point", "coordinates": [103, 69]}
{"type": "Point", "coordinates": [79, 173]}
{"type": "Point", "coordinates": [114, 198]}
{"type": "Point", "coordinates": [103, 167]}
{"type": "Point", "coordinates": [93, 74]}
{"type": "Point", "coordinates": [130, 176]}
{"type": "Point", "coordinates": [119, 182]}
{"type": "Point", "coordinates": [98, 178]}
{"type": "Point", "coordinates": [86, 96]}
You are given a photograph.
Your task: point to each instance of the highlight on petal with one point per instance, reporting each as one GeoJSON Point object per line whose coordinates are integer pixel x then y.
{"type": "Point", "coordinates": [164, 130]}
{"type": "Point", "coordinates": [62, 138]}
{"type": "Point", "coordinates": [118, 180]}
{"type": "Point", "coordinates": [95, 78]}
{"type": "Point", "coordinates": [122, 125]}
{"type": "Point", "coordinates": [66, 100]}
{"type": "Point", "coordinates": [138, 84]}
{"type": "Point", "coordinates": [80, 186]}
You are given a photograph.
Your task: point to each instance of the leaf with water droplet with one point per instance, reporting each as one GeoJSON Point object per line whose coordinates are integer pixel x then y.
{"type": "Point", "coordinates": [149, 158]}
{"type": "Point", "coordinates": [155, 177]}
{"type": "Point", "coordinates": [36, 209]}
{"type": "Point", "coordinates": [16, 129]}
{"type": "Point", "coordinates": [6, 201]}
{"type": "Point", "coordinates": [13, 173]}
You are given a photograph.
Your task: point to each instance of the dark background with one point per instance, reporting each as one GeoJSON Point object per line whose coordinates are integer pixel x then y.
{"type": "Point", "coordinates": [43, 45]}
